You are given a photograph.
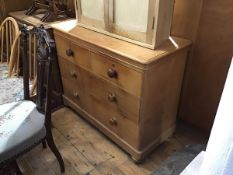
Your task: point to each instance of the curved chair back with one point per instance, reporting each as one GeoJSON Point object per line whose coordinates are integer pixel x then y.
{"type": "Point", "coordinates": [9, 44]}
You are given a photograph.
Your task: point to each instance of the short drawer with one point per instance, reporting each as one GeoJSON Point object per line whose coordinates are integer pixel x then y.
{"type": "Point", "coordinates": [115, 99]}
{"type": "Point", "coordinates": [62, 45]}
{"type": "Point", "coordinates": [72, 52]}
{"type": "Point", "coordinates": [69, 70]}
{"type": "Point", "coordinates": [124, 77]}
{"type": "Point", "coordinates": [72, 91]}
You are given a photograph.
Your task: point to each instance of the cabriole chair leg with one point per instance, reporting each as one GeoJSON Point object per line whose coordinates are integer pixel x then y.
{"type": "Point", "coordinates": [52, 146]}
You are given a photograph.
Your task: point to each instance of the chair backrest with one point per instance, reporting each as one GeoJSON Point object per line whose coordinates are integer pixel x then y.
{"type": "Point", "coordinates": [46, 53]}
{"type": "Point", "coordinates": [9, 44]}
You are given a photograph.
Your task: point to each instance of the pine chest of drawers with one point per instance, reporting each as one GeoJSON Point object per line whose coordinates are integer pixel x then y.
{"type": "Point", "coordinates": [128, 92]}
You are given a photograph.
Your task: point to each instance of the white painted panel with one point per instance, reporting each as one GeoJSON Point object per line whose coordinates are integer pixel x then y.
{"type": "Point", "coordinates": [93, 9]}
{"type": "Point", "coordinates": [219, 149]}
{"type": "Point", "coordinates": [131, 14]}
{"type": "Point", "coordinates": [228, 169]}
{"type": "Point", "coordinates": [218, 157]}
{"type": "Point", "coordinates": [194, 167]}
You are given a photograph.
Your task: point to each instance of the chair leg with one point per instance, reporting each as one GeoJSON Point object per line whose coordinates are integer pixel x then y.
{"type": "Point", "coordinates": [17, 170]}
{"type": "Point", "coordinates": [44, 144]}
{"type": "Point", "coordinates": [10, 169]}
{"type": "Point", "coordinates": [52, 146]}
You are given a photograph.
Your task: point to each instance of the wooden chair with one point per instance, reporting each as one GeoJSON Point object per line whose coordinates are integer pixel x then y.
{"type": "Point", "coordinates": [22, 124]}
{"type": "Point", "coordinates": [9, 44]}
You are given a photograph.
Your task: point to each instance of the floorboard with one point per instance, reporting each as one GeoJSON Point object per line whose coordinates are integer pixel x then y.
{"type": "Point", "coordinates": [86, 151]}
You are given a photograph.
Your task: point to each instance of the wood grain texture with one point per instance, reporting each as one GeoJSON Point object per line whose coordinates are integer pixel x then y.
{"type": "Point", "coordinates": [131, 52]}
{"type": "Point", "coordinates": [117, 101]}
{"type": "Point", "coordinates": [186, 18]}
{"type": "Point", "coordinates": [160, 98]}
{"type": "Point", "coordinates": [209, 63]}
{"type": "Point", "coordinates": [12, 5]}
{"type": "Point", "coordinates": [143, 113]}
{"type": "Point", "coordinates": [100, 64]}
{"type": "Point", "coordinates": [86, 151]}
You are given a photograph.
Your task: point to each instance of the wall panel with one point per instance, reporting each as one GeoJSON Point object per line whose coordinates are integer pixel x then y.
{"type": "Point", "coordinates": [209, 25]}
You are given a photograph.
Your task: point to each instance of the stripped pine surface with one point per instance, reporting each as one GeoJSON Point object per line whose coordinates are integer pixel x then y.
{"type": "Point", "coordinates": [86, 151]}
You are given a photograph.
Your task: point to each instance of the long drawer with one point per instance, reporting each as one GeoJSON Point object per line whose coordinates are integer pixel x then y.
{"type": "Point", "coordinates": [124, 77]}
{"type": "Point", "coordinates": [114, 99]}
{"type": "Point", "coordinates": [122, 126]}
{"type": "Point", "coordinates": [101, 65]}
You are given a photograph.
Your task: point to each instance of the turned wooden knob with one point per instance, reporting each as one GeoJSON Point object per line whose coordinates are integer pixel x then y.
{"type": "Point", "coordinates": [73, 74]}
{"type": "Point", "coordinates": [112, 97]}
{"type": "Point", "coordinates": [112, 73]}
{"type": "Point", "coordinates": [113, 121]}
{"type": "Point", "coordinates": [69, 52]}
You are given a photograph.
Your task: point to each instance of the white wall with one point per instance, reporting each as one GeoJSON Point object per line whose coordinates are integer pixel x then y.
{"type": "Point", "coordinates": [218, 158]}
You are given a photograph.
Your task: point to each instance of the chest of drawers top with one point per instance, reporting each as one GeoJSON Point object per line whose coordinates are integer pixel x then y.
{"type": "Point", "coordinates": [125, 51]}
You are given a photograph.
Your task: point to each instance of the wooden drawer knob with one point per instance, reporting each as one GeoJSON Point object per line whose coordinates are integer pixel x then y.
{"type": "Point", "coordinates": [113, 121]}
{"type": "Point", "coordinates": [73, 74]}
{"type": "Point", "coordinates": [112, 73]}
{"type": "Point", "coordinates": [112, 97]}
{"type": "Point", "coordinates": [69, 52]}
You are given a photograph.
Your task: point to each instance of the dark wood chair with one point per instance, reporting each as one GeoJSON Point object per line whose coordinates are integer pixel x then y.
{"type": "Point", "coordinates": [24, 125]}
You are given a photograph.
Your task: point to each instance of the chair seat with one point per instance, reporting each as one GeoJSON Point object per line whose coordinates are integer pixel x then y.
{"type": "Point", "coordinates": [11, 90]}
{"type": "Point", "coordinates": [21, 127]}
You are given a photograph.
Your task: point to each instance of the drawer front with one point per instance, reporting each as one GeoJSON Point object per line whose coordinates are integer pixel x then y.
{"type": "Point", "coordinates": [72, 82]}
{"type": "Point", "coordinates": [120, 115]}
{"type": "Point", "coordinates": [116, 100]}
{"type": "Point", "coordinates": [72, 91]}
{"type": "Point", "coordinates": [72, 52]}
{"type": "Point", "coordinates": [69, 70]}
{"type": "Point", "coordinates": [122, 76]}
{"type": "Point", "coordinates": [120, 125]}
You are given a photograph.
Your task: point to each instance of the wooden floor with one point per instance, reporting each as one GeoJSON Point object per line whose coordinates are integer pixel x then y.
{"type": "Point", "coordinates": [88, 152]}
